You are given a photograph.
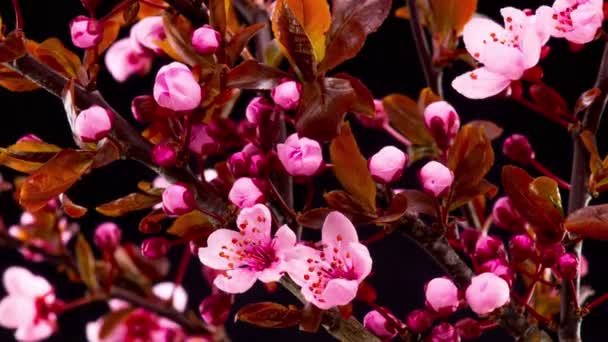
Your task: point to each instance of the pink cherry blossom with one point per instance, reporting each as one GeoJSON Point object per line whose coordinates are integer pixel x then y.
{"type": "Point", "coordinates": [206, 40]}
{"type": "Point", "coordinates": [442, 295]}
{"type": "Point", "coordinates": [287, 94]}
{"type": "Point", "coordinates": [387, 165]}
{"type": "Point", "coordinates": [436, 178]}
{"type": "Point", "coordinates": [258, 108]}
{"type": "Point", "coordinates": [178, 200]}
{"type": "Point", "coordinates": [505, 52]}
{"type": "Point", "coordinates": [248, 254]}
{"type": "Point", "coordinates": [577, 20]}
{"type": "Point", "coordinates": [175, 88]}
{"type": "Point", "coordinates": [330, 274]}
{"type": "Point", "coordinates": [86, 32]}
{"type": "Point", "coordinates": [93, 124]}
{"type": "Point", "coordinates": [29, 306]}
{"type": "Point", "coordinates": [487, 293]}
{"type": "Point", "coordinates": [124, 59]}
{"type": "Point", "coordinates": [148, 32]}
{"type": "Point", "coordinates": [245, 193]}
{"type": "Point", "coordinates": [300, 156]}
{"type": "Point", "coordinates": [142, 325]}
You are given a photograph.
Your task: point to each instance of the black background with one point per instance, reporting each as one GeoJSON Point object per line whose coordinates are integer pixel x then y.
{"type": "Point", "coordinates": [387, 64]}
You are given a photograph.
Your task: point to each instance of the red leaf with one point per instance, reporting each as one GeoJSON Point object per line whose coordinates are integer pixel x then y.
{"type": "Point", "coordinates": [254, 75]}
{"type": "Point", "coordinates": [269, 315]}
{"type": "Point", "coordinates": [589, 222]}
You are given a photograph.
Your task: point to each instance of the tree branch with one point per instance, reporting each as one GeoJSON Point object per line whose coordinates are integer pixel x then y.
{"type": "Point", "coordinates": [422, 47]}
{"type": "Point", "coordinates": [570, 318]}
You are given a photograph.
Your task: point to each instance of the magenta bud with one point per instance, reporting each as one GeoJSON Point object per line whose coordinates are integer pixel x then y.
{"type": "Point", "coordinates": [201, 141]}
{"type": "Point", "coordinates": [498, 267]}
{"type": "Point", "coordinates": [175, 88]}
{"type": "Point", "coordinates": [506, 217]}
{"type": "Point", "coordinates": [258, 108]}
{"type": "Point", "coordinates": [387, 165]}
{"type": "Point", "coordinates": [29, 137]}
{"type": "Point", "coordinates": [436, 178]}
{"type": "Point", "coordinates": [419, 320]}
{"type": "Point", "coordinates": [442, 121]}
{"type": "Point", "coordinates": [258, 165]}
{"type": "Point", "coordinates": [521, 248]}
{"type": "Point", "coordinates": [468, 239]}
{"type": "Point", "coordinates": [107, 236]}
{"type": "Point", "coordinates": [85, 32]}
{"type": "Point", "coordinates": [375, 322]}
{"type": "Point", "coordinates": [567, 266]}
{"type": "Point", "coordinates": [287, 94]}
{"type": "Point", "coordinates": [468, 328]}
{"type": "Point", "coordinates": [444, 332]}
{"type": "Point", "coordinates": [300, 156]}
{"type": "Point", "coordinates": [549, 255]}
{"type": "Point", "coordinates": [93, 124]}
{"type": "Point", "coordinates": [164, 155]}
{"type": "Point", "coordinates": [238, 164]}
{"type": "Point", "coordinates": [155, 247]}
{"type": "Point", "coordinates": [518, 148]}
{"type": "Point", "coordinates": [215, 309]}
{"type": "Point", "coordinates": [378, 121]}
{"type": "Point", "coordinates": [206, 40]}
{"type": "Point", "coordinates": [178, 200]}
{"type": "Point", "coordinates": [489, 247]}
{"type": "Point", "coordinates": [148, 32]}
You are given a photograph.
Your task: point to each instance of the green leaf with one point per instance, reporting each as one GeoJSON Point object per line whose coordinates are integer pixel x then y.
{"type": "Point", "coordinates": [269, 315]}
{"type": "Point", "coordinates": [132, 202]}
{"type": "Point", "coordinates": [86, 263]}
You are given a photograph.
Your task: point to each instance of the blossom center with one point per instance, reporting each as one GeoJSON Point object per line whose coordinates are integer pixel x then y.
{"type": "Point", "coordinates": [140, 325]}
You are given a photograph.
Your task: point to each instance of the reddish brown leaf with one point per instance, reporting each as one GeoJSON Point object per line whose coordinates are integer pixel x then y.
{"type": "Point", "coordinates": [179, 35]}
{"type": "Point", "coordinates": [364, 100]}
{"type": "Point", "coordinates": [323, 107]}
{"type": "Point", "coordinates": [544, 217]}
{"type": "Point", "coordinates": [27, 156]}
{"type": "Point", "coordinates": [14, 81]}
{"type": "Point", "coordinates": [191, 225]}
{"type": "Point", "coordinates": [129, 14]}
{"type": "Point", "coordinates": [133, 202]}
{"type": "Point", "coordinates": [589, 222]}
{"type": "Point", "coordinates": [419, 202]}
{"type": "Point", "coordinates": [72, 209]}
{"type": "Point", "coordinates": [547, 188]}
{"type": "Point", "coordinates": [311, 318]}
{"type": "Point", "coordinates": [483, 188]}
{"type": "Point", "coordinates": [12, 47]}
{"type": "Point", "coordinates": [548, 99]}
{"type": "Point", "coordinates": [53, 53]}
{"type": "Point", "coordinates": [269, 315]}
{"type": "Point", "coordinates": [239, 41]}
{"type": "Point", "coordinates": [313, 218]}
{"type": "Point", "coordinates": [395, 211]}
{"type": "Point", "coordinates": [491, 130]}
{"type": "Point", "coordinates": [217, 16]}
{"type": "Point", "coordinates": [586, 99]}
{"type": "Point", "coordinates": [54, 178]}
{"type": "Point", "coordinates": [112, 320]}
{"type": "Point", "coordinates": [254, 75]}
{"type": "Point", "coordinates": [345, 203]}
{"type": "Point", "coordinates": [151, 223]}
{"type": "Point", "coordinates": [450, 16]}
{"type": "Point", "coordinates": [404, 114]}
{"type": "Point", "coordinates": [85, 260]}
{"type": "Point", "coordinates": [351, 169]}
{"type": "Point", "coordinates": [352, 22]}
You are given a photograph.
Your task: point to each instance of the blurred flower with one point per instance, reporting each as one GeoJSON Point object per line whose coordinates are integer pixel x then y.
{"type": "Point", "coordinates": [148, 32]}
{"type": "Point", "coordinates": [85, 32]}
{"type": "Point", "coordinates": [175, 88]}
{"type": "Point", "coordinates": [124, 59]}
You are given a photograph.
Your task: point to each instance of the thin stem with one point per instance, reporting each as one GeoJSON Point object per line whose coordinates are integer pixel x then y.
{"type": "Point", "coordinates": [18, 16]}
{"type": "Point", "coordinates": [81, 302]}
{"type": "Point", "coordinates": [539, 110]}
{"type": "Point", "coordinates": [540, 168]}
{"type": "Point", "coordinates": [422, 46]}
{"type": "Point", "coordinates": [595, 303]}
{"type": "Point", "coordinates": [400, 138]}
{"type": "Point", "coordinates": [279, 198]}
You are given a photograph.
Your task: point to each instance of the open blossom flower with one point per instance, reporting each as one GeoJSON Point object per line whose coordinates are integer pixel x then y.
{"type": "Point", "coordinates": [505, 52]}
{"type": "Point", "coordinates": [124, 59]}
{"type": "Point", "coordinates": [143, 325]}
{"type": "Point", "coordinates": [577, 20]}
{"type": "Point", "coordinates": [175, 88]}
{"type": "Point", "coordinates": [248, 254]}
{"type": "Point", "coordinates": [28, 306]}
{"type": "Point", "coordinates": [387, 165]}
{"type": "Point", "coordinates": [245, 193]}
{"type": "Point", "coordinates": [487, 293]}
{"type": "Point", "coordinates": [148, 32]}
{"type": "Point", "coordinates": [330, 274]}
{"type": "Point", "coordinates": [300, 156]}
{"type": "Point", "coordinates": [442, 295]}
{"type": "Point", "coordinates": [85, 32]}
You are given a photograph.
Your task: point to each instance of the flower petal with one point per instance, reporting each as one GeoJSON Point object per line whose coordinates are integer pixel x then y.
{"type": "Point", "coordinates": [338, 228]}
{"type": "Point", "coordinates": [20, 281]}
{"type": "Point", "coordinates": [255, 222]}
{"type": "Point", "coordinates": [480, 83]}
{"type": "Point", "coordinates": [478, 30]}
{"type": "Point", "coordinates": [505, 60]}
{"type": "Point", "coordinates": [338, 292]}
{"type": "Point", "coordinates": [270, 274]}
{"type": "Point", "coordinates": [360, 258]}
{"type": "Point", "coordinates": [235, 281]}
{"type": "Point", "coordinates": [167, 289]}
{"type": "Point", "coordinates": [35, 331]}
{"type": "Point", "coordinates": [214, 255]}
{"type": "Point", "coordinates": [284, 238]}
{"type": "Point", "coordinates": [296, 264]}
{"type": "Point", "coordinates": [16, 311]}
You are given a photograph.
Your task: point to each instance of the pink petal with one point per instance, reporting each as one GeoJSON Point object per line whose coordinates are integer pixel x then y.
{"type": "Point", "coordinates": [284, 238]}
{"type": "Point", "coordinates": [118, 304]}
{"type": "Point", "coordinates": [338, 292]}
{"type": "Point", "coordinates": [35, 332]}
{"type": "Point", "coordinates": [167, 289]}
{"type": "Point", "coordinates": [92, 330]}
{"type": "Point", "coordinates": [337, 228]}
{"type": "Point", "coordinates": [255, 222]}
{"type": "Point", "coordinates": [531, 47]}
{"type": "Point", "coordinates": [360, 258]}
{"type": "Point", "coordinates": [480, 83]}
{"type": "Point", "coordinates": [478, 30]}
{"type": "Point", "coordinates": [270, 274]}
{"type": "Point", "coordinates": [295, 262]}
{"type": "Point", "coordinates": [504, 60]}
{"type": "Point", "coordinates": [235, 281]}
{"type": "Point", "coordinates": [544, 23]}
{"type": "Point", "coordinates": [211, 256]}
{"type": "Point", "coordinates": [20, 281]}
{"type": "Point", "coordinates": [16, 311]}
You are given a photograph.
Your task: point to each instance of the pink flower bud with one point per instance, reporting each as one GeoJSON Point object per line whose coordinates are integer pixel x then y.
{"type": "Point", "coordinates": [155, 247]}
{"type": "Point", "coordinates": [549, 255]}
{"type": "Point", "coordinates": [215, 309]}
{"type": "Point", "coordinates": [148, 32]}
{"type": "Point", "coordinates": [387, 165]}
{"type": "Point", "coordinates": [258, 108]}
{"type": "Point", "coordinates": [419, 320]}
{"type": "Point", "coordinates": [175, 88]}
{"type": "Point", "coordinates": [378, 121]}
{"type": "Point", "coordinates": [489, 247]}
{"type": "Point", "coordinates": [521, 248]}
{"type": "Point", "coordinates": [245, 193]}
{"type": "Point", "coordinates": [287, 94]}
{"type": "Point", "coordinates": [238, 164]}
{"type": "Point", "coordinates": [442, 295]}
{"type": "Point", "coordinates": [124, 59]}
{"type": "Point", "coordinates": [375, 322]}
{"type": "Point", "coordinates": [93, 124]}
{"type": "Point", "coordinates": [436, 178]}
{"type": "Point", "coordinates": [487, 293]}
{"type": "Point", "coordinates": [178, 200]}
{"type": "Point", "coordinates": [468, 328]}
{"type": "Point", "coordinates": [518, 148]}
{"type": "Point", "coordinates": [206, 40]}
{"type": "Point", "coordinates": [567, 266]}
{"type": "Point", "coordinates": [499, 267]}
{"type": "Point", "coordinates": [164, 155]}
{"type": "Point", "coordinates": [444, 332]}
{"type": "Point", "coordinates": [29, 137]}
{"type": "Point", "coordinates": [442, 121]}
{"type": "Point", "coordinates": [86, 32]}
{"type": "Point", "coordinates": [468, 239]}
{"type": "Point", "coordinates": [107, 236]}
{"type": "Point", "coordinates": [506, 217]}
{"type": "Point", "coordinates": [300, 156]}
{"type": "Point", "coordinates": [201, 142]}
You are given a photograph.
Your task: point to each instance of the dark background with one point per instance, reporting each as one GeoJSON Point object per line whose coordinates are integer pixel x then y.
{"type": "Point", "coordinates": [387, 64]}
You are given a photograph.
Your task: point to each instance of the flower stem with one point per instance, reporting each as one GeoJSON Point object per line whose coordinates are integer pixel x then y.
{"type": "Point", "coordinates": [18, 16]}
{"type": "Point", "coordinates": [539, 110]}
{"type": "Point", "coordinates": [595, 303]}
{"type": "Point", "coordinates": [540, 168]}
{"type": "Point", "coordinates": [390, 130]}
